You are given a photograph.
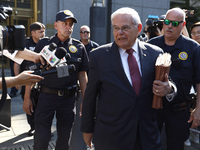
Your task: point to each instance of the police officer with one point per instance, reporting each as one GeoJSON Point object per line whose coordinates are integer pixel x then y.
{"type": "Point", "coordinates": [58, 94]}
{"type": "Point", "coordinates": [85, 39]}
{"type": "Point", "coordinates": [37, 31]}
{"type": "Point", "coordinates": [185, 71]}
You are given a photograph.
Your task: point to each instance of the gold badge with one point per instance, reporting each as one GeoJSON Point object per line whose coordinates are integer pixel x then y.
{"type": "Point", "coordinates": [68, 12]}
{"type": "Point", "coordinates": [183, 55]}
{"type": "Point", "coordinates": [73, 49]}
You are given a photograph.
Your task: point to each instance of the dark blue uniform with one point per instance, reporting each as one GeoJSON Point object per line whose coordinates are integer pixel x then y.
{"type": "Point", "coordinates": [58, 95]}
{"type": "Point", "coordinates": [185, 71]}
{"type": "Point", "coordinates": [90, 46]}
{"type": "Point", "coordinates": [30, 45]}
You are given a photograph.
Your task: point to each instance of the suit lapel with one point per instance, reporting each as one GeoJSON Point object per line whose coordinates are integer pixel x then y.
{"type": "Point", "coordinates": [143, 54]}
{"type": "Point", "coordinates": [116, 63]}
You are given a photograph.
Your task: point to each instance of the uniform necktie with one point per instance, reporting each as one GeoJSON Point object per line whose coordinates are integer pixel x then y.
{"type": "Point", "coordinates": [134, 71]}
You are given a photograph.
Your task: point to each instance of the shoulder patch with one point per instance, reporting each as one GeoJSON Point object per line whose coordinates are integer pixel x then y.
{"type": "Point", "coordinates": [72, 49]}
{"type": "Point", "coordinates": [75, 40]}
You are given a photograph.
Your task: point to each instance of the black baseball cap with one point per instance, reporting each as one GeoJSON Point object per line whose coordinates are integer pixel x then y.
{"type": "Point", "coordinates": [65, 14]}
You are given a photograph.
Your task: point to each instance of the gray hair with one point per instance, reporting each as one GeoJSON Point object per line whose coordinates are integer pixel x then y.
{"type": "Point", "coordinates": [85, 26]}
{"type": "Point", "coordinates": [129, 11]}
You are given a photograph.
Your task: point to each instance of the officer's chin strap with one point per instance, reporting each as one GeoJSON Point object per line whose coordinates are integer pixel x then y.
{"type": "Point", "coordinates": [4, 86]}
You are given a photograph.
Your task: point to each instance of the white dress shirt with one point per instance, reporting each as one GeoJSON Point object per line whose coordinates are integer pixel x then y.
{"type": "Point", "coordinates": [124, 56]}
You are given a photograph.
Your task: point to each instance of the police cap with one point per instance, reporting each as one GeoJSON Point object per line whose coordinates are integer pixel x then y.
{"type": "Point", "coordinates": [65, 14]}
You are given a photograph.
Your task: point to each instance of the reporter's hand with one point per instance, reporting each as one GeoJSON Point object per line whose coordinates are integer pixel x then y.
{"type": "Point", "coordinates": [38, 58]}
{"type": "Point", "coordinates": [26, 78]}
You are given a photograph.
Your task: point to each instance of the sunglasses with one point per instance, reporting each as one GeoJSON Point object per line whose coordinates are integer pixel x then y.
{"type": "Point", "coordinates": [84, 32]}
{"type": "Point", "coordinates": [174, 23]}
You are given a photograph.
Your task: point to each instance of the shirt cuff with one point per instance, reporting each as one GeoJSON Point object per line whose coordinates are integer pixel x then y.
{"type": "Point", "coordinates": [12, 56]}
{"type": "Point", "coordinates": [171, 95]}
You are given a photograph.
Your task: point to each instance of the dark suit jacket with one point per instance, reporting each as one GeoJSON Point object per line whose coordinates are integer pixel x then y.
{"type": "Point", "coordinates": [119, 110]}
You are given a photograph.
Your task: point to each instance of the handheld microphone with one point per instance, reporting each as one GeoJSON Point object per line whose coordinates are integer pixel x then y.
{"type": "Point", "coordinates": [62, 70]}
{"type": "Point", "coordinates": [48, 55]}
{"type": "Point", "coordinates": [52, 46]}
{"type": "Point", "coordinates": [59, 53]}
{"type": "Point", "coordinates": [53, 58]}
{"type": "Point", "coordinates": [66, 58]}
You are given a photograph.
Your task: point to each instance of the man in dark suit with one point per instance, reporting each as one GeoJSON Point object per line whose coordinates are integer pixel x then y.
{"type": "Point", "coordinates": [123, 118]}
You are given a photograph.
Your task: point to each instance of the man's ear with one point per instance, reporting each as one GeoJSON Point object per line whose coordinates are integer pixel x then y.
{"type": "Point", "coordinates": [184, 23]}
{"type": "Point", "coordinates": [55, 25]}
{"type": "Point", "coordinates": [32, 32]}
{"type": "Point", "coordinates": [139, 28]}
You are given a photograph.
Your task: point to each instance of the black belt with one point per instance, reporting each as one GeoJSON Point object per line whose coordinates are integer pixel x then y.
{"type": "Point", "coordinates": [177, 107]}
{"type": "Point", "coordinates": [68, 91]}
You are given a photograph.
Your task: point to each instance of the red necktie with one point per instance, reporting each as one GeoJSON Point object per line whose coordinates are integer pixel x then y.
{"type": "Point", "coordinates": [134, 71]}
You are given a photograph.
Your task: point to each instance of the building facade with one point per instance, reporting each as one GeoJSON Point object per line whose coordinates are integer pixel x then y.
{"type": "Point", "coordinates": [96, 14]}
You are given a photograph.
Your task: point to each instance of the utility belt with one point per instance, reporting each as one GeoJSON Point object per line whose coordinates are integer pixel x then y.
{"type": "Point", "coordinates": [68, 91]}
{"type": "Point", "coordinates": [183, 106]}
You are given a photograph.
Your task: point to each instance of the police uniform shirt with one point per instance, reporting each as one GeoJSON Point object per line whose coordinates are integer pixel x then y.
{"type": "Point", "coordinates": [90, 46]}
{"type": "Point", "coordinates": [185, 68]}
{"type": "Point", "coordinates": [30, 45]}
{"type": "Point", "coordinates": [77, 50]}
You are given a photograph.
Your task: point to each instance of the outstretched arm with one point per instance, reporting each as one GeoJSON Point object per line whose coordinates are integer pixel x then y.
{"type": "Point", "coordinates": [24, 78]}
{"type": "Point", "coordinates": [31, 56]}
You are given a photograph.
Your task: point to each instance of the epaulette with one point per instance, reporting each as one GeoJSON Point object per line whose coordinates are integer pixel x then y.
{"type": "Point", "coordinates": [76, 40]}
{"type": "Point", "coordinates": [27, 38]}
{"type": "Point", "coordinates": [45, 39]}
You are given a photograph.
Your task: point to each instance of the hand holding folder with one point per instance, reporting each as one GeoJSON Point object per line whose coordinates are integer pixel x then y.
{"type": "Point", "coordinates": [162, 67]}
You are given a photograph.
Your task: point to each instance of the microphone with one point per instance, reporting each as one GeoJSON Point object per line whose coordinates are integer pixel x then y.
{"type": "Point", "coordinates": [62, 70]}
{"type": "Point", "coordinates": [62, 55]}
{"type": "Point", "coordinates": [48, 55]}
{"type": "Point", "coordinates": [41, 73]}
{"type": "Point", "coordinates": [33, 66]}
{"type": "Point", "coordinates": [59, 53]}
{"type": "Point", "coordinates": [54, 57]}
{"type": "Point", "coordinates": [52, 46]}
{"type": "Point", "coordinates": [66, 58]}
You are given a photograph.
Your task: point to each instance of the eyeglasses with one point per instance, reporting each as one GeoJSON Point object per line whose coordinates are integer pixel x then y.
{"type": "Point", "coordinates": [174, 23]}
{"type": "Point", "coordinates": [195, 33]}
{"type": "Point", "coordinates": [83, 32]}
{"type": "Point", "coordinates": [124, 28]}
